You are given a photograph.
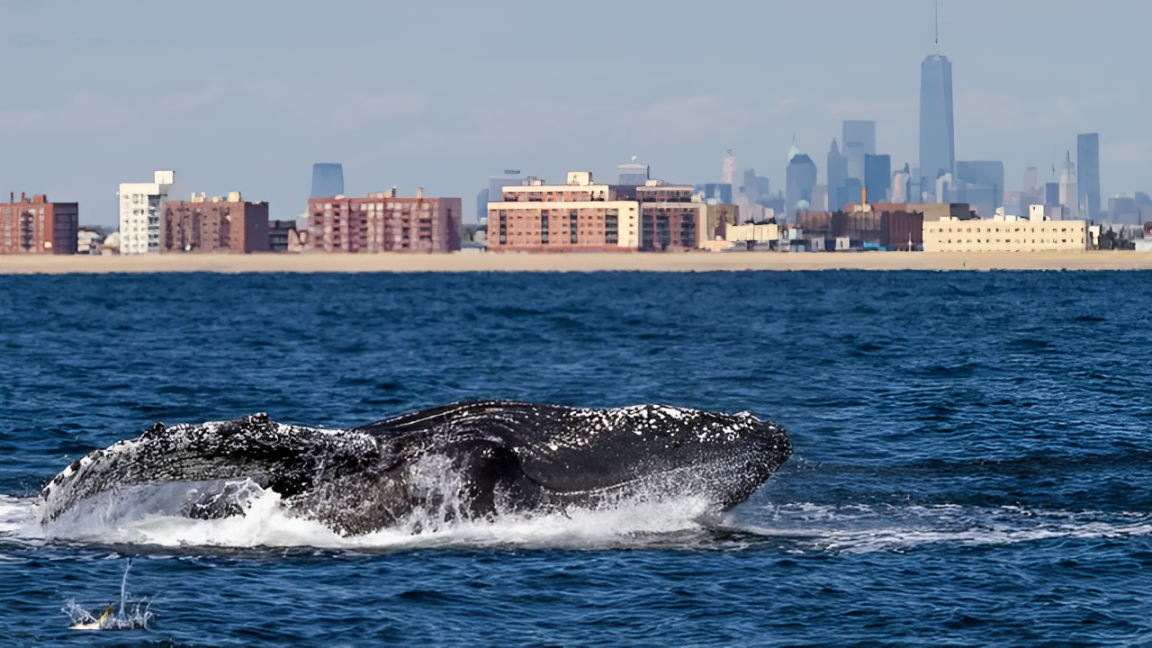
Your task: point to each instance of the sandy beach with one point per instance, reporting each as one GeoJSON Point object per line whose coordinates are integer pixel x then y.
{"type": "Point", "coordinates": [590, 262]}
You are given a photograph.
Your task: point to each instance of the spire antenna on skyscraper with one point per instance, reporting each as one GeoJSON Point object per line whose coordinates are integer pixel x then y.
{"type": "Point", "coordinates": [936, 4]}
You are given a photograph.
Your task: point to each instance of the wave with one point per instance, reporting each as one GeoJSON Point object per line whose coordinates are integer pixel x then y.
{"type": "Point", "coordinates": [856, 529]}
{"type": "Point", "coordinates": [151, 517]}
{"type": "Point", "coordinates": [134, 518]}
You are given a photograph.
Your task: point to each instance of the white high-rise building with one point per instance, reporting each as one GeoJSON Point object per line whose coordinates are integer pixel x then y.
{"type": "Point", "coordinates": [1069, 196]}
{"type": "Point", "coordinates": [140, 216]}
{"type": "Point", "coordinates": [729, 169]}
{"type": "Point", "coordinates": [899, 194]}
{"type": "Point", "coordinates": [943, 189]}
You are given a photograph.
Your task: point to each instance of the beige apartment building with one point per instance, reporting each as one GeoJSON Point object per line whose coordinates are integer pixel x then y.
{"type": "Point", "coordinates": [578, 215]}
{"type": "Point", "coordinates": [1004, 235]}
{"type": "Point", "coordinates": [583, 216]}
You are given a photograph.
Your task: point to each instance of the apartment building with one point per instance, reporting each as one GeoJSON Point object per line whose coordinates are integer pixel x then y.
{"type": "Point", "coordinates": [669, 217]}
{"type": "Point", "coordinates": [36, 226]}
{"type": "Point", "coordinates": [579, 215]}
{"type": "Point", "coordinates": [140, 213]}
{"type": "Point", "coordinates": [217, 225]}
{"type": "Point", "coordinates": [384, 222]}
{"type": "Point", "coordinates": [1005, 234]}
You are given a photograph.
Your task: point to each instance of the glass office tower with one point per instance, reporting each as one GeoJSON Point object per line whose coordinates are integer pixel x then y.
{"type": "Point", "coordinates": [1088, 173]}
{"type": "Point", "coordinates": [937, 138]}
{"type": "Point", "coordinates": [327, 180]}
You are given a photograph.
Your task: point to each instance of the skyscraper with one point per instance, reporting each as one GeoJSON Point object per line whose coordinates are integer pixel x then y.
{"type": "Point", "coordinates": [801, 175]}
{"type": "Point", "coordinates": [984, 180]}
{"type": "Point", "coordinates": [718, 191]}
{"type": "Point", "coordinates": [482, 205]}
{"type": "Point", "coordinates": [751, 188]}
{"type": "Point", "coordinates": [837, 174]}
{"type": "Point", "coordinates": [853, 192]}
{"type": "Point", "coordinates": [900, 187]}
{"type": "Point", "coordinates": [937, 138]}
{"type": "Point", "coordinates": [327, 180]}
{"type": "Point", "coordinates": [862, 131]}
{"type": "Point", "coordinates": [633, 174]}
{"type": "Point", "coordinates": [1069, 197]}
{"type": "Point", "coordinates": [496, 184]}
{"type": "Point", "coordinates": [854, 153]}
{"type": "Point", "coordinates": [729, 169]}
{"type": "Point", "coordinates": [1088, 173]}
{"type": "Point", "coordinates": [878, 177]}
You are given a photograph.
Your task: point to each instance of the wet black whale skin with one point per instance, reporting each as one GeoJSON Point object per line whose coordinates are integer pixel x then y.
{"type": "Point", "coordinates": [470, 459]}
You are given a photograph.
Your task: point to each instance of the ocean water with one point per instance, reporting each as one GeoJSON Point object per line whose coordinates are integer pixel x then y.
{"type": "Point", "coordinates": [972, 466]}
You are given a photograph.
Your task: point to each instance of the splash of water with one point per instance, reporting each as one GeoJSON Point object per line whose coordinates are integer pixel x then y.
{"type": "Point", "coordinates": [132, 614]}
{"type": "Point", "coordinates": [151, 516]}
{"type": "Point", "coordinates": [168, 514]}
{"type": "Point", "coordinates": [625, 522]}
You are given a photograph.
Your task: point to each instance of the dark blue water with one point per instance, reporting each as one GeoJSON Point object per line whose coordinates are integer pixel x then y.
{"type": "Point", "coordinates": [973, 460]}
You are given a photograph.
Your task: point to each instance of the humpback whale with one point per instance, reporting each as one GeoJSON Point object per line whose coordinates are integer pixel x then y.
{"type": "Point", "coordinates": [464, 461]}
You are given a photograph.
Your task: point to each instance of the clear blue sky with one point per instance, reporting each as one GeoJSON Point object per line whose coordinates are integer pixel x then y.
{"type": "Point", "coordinates": [247, 95]}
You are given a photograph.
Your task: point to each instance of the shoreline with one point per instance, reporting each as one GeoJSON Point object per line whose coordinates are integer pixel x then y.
{"type": "Point", "coordinates": [575, 262]}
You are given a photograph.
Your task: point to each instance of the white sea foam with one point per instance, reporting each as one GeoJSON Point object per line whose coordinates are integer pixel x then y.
{"type": "Point", "coordinates": [863, 529]}
{"type": "Point", "coordinates": [136, 517]}
{"type": "Point", "coordinates": [151, 515]}
{"type": "Point", "coordinates": [18, 519]}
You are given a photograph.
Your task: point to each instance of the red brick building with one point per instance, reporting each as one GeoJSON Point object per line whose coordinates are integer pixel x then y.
{"type": "Point", "coordinates": [899, 227]}
{"type": "Point", "coordinates": [669, 220]}
{"type": "Point", "coordinates": [37, 226]}
{"type": "Point", "coordinates": [215, 226]}
{"type": "Point", "coordinates": [381, 222]}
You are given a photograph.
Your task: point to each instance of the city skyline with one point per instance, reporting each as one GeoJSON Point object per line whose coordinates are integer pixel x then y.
{"type": "Point", "coordinates": [440, 122]}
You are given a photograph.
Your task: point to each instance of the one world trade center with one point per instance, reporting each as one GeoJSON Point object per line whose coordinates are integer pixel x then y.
{"type": "Point", "coordinates": [937, 141]}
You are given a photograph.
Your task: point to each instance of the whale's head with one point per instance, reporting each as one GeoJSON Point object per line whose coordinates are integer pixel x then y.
{"type": "Point", "coordinates": [659, 451]}
{"type": "Point", "coordinates": [654, 451]}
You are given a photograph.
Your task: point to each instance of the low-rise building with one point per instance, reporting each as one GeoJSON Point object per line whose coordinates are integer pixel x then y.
{"type": "Point", "coordinates": [89, 240]}
{"type": "Point", "coordinates": [902, 231]}
{"type": "Point", "coordinates": [216, 225]}
{"type": "Point", "coordinates": [1005, 234]}
{"type": "Point", "coordinates": [383, 222]}
{"type": "Point", "coordinates": [761, 233]}
{"type": "Point", "coordinates": [715, 220]}
{"type": "Point", "coordinates": [36, 226]}
{"type": "Point", "coordinates": [279, 233]}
